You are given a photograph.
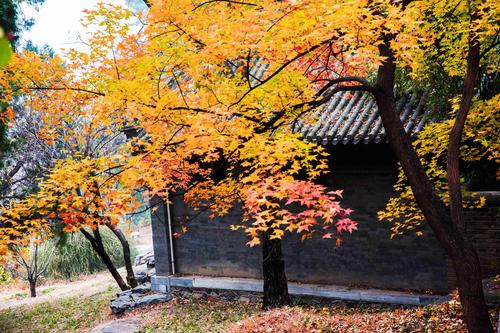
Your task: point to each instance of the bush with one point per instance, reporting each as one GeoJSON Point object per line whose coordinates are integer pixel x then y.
{"type": "Point", "coordinates": [74, 256]}
{"type": "Point", "coordinates": [4, 275]}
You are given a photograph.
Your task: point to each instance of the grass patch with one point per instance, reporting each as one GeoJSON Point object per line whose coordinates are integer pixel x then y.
{"type": "Point", "coordinates": [47, 291]}
{"type": "Point", "coordinates": [21, 294]}
{"type": "Point", "coordinates": [75, 314]}
{"type": "Point", "coordinates": [187, 315]}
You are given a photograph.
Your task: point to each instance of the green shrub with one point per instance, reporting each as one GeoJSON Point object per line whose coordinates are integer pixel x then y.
{"type": "Point", "coordinates": [4, 275]}
{"type": "Point", "coordinates": [74, 256]}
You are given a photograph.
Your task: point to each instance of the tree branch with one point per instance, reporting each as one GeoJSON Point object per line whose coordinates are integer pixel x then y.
{"type": "Point", "coordinates": [73, 89]}
{"type": "Point", "coordinates": [453, 157]}
{"type": "Point", "coordinates": [280, 69]}
{"type": "Point", "coordinates": [228, 1]}
{"type": "Point", "coordinates": [332, 82]}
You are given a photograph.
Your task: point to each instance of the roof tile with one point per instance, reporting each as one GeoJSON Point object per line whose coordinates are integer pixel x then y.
{"type": "Point", "coordinates": [354, 118]}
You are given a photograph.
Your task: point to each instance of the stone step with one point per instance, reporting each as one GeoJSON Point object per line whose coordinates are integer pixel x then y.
{"type": "Point", "coordinates": [118, 326]}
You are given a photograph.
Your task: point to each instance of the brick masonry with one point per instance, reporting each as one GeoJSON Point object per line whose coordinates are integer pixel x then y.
{"type": "Point", "coordinates": [483, 228]}
{"type": "Point", "coordinates": [367, 258]}
{"type": "Point", "coordinates": [161, 240]}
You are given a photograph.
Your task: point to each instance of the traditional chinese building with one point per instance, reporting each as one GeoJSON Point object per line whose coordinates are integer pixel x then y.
{"type": "Point", "coordinates": [363, 165]}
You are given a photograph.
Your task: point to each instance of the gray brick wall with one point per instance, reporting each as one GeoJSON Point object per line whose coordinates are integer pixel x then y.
{"type": "Point", "coordinates": [367, 258]}
{"type": "Point", "coordinates": [483, 229]}
{"type": "Point", "coordinates": [209, 247]}
{"type": "Point", "coordinates": [161, 246]}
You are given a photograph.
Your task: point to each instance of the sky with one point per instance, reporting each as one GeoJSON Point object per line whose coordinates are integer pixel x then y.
{"type": "Point", "coordinates": [57, 23]}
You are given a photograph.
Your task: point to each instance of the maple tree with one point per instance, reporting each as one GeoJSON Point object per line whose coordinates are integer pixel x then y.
{"type": "Point", "coordinates": [126, 81]}
{"type": "Point", "coordinates": [74, 193]}
{"type": "Point", "coordinates": [480, 145]}
{"type": "Point", "coordinates": [80, 195]}
{"type": "Point", "coordinates": [11, 23]}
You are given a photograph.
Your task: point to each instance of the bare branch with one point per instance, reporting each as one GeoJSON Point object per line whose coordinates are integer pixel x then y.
{"type": "Point", "coordinates": [228, 1]}
{"type": "Point", "coordinates": [280, 69]}
{"type": "Point", "coordinates": [63, 88]}
{"type": "Point", "coordinates": [332, 82]}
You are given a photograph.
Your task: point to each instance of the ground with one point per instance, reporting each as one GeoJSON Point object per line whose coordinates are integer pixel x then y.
{"type": "Point", "coordinates": [81, 310]}
{"type": "Point", "coordinates": [72, 314]}
{"type": "Point", "coordinates": [81, 305]}
{"type": "Point", "coordinates": [86, 286]}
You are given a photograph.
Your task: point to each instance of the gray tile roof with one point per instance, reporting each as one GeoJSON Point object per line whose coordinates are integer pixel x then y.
{"type": "Point", "coordinates": [352, 117]}
{"type": "Point", "coordinates": [348, 118]}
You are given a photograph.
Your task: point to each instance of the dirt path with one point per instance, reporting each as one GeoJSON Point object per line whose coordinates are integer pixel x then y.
{"type": "Point", "coordinates": [86, 287]}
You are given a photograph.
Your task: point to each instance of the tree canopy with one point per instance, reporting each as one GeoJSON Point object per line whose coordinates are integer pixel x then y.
{"type": "Point", "coordinates": [209, 93]}
{"type": "Point", "coordinates": [145, 80]}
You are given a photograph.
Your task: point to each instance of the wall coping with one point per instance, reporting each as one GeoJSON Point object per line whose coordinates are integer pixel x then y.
{"type": "Point", "coordinates": [492, 197]}
{"type": "Point", "coordinates": [158, 283]}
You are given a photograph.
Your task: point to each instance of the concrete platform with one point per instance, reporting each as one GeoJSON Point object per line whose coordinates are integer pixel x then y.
{"type": "Point", "coordinates": [163, 283]}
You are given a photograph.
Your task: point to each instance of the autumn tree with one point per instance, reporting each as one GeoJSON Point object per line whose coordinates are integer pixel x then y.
{"type": "Point", "coordinates": [83, 198]}
{"type": "Point", "coordinates": [12, 22]}
{"type": "Point", "coordinates": [43, 142]}
{"type": "Point", "coordinates": [145, 81]}
{"type": "Point", "coordinates": [372, 39]}
{"type": "Point", "coordinates": [479, 153]}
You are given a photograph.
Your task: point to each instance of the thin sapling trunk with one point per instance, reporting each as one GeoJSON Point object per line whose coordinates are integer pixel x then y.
{"type": "Point", "coordinates": [96, 243]}
{"type": "Point", "coordinates": [132, 282]}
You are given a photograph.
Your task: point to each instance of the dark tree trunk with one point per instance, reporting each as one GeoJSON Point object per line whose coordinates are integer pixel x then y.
{"type": "Point", "coordinates": [32, 287]}
{"type": "Point", "coordinates": [125, 246]}
{"type": "Point", "coordinates": [470, 289]}
{"type": "Point", "coordinates": [273, 269]}
{"type": "Point", "coordinates": [458, 248]}
{"type": "Point", "coordinates": [453, 157]}
{"type": "Point", "coordinates": [132, 282]}
{"type": "Point", "coordinates": [98, 247]}
{"type": "Point", "coordinates": [112, 269]}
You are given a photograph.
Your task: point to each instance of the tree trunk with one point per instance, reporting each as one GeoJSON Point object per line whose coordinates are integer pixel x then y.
{"type": "Point", "coordinates": [98, 247]}
{"type": "Point", "coordinates": [112, 269]}
{"type": "Point", "coordinates": [32, 287]}
{"type": "Point", "coordinates": [453, 157]}
{"type": "Point", "coordinates": [132, 282]}
{"type": "Point", "coordinates": [470, 290]}
{"type": "Point", "coordinates": [273, 269]}
{"type": "Point", "coordinates": [123, 241]}
{"type": "Point", "coordinates": [467, 266]}
{"type": "Point", "coordinates": [458, 248]}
